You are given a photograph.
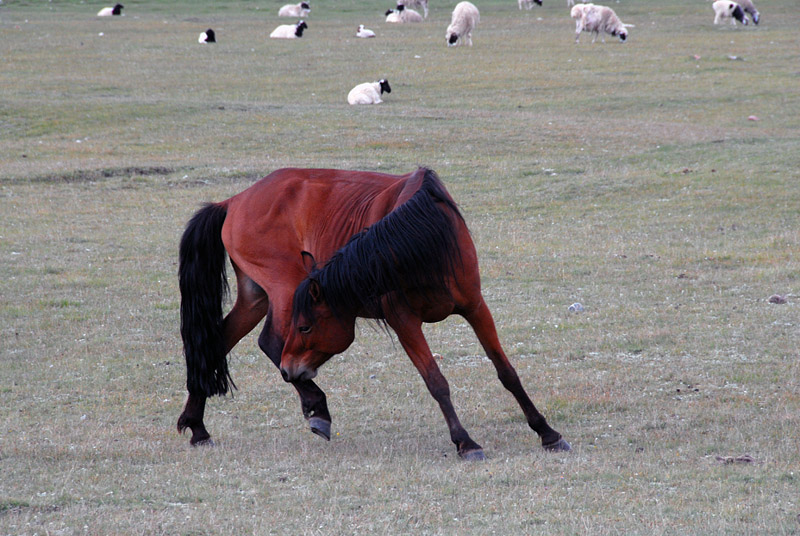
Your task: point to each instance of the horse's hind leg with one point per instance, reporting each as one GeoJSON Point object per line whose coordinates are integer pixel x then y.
{"type": "Point", "coordinates": [312, 399]}
{"type": "Point", "coordinates": [482, 322]}
{"type": "Point", "coordinates": [251, 306]}
{"type": "Point", "coordinates": [409, 332]}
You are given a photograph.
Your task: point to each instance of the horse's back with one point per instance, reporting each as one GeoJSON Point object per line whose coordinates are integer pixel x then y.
{"type": "Point", "coordinates": [294, 210]}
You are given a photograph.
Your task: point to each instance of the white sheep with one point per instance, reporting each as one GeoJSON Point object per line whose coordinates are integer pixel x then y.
{"type": "Point", "coordinates": [528, 4]}
{"type": "Point", "coordinates": [301, 9]}
{"type": "Point", "coordinates": [727, 9]}
{"type": "Point", "coordinates": [750, 8]}
{"type": "Point", "coordinates": [368, 92]}
{"type": "Point", "coordinates": [364, 33]}
{"type": "Point", "coordinates": [207, 37]}
{"type": "Point", "coordinates": [416, 3]}
{"type": "Point", "coordinates": [598, 20]}
{"type": "Point", "coordinates": [108, 11]}
{"type": "Point", "coordinates": [289, 31]}
{"type": "Point", "coordinates": [408, 15]}
{"type": "Point", "coordinates": [392, 16]}
{"type": "Point", "coordinates": [462, 22]}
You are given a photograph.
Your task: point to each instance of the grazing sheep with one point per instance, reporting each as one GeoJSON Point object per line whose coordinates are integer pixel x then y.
{"type": "Point", "coordinates": [726, 9]}
{"type": "Point", "coordinates": [416, 3]}
{"type": "Point", "coordinates": [598, 20]}
{"type": "Point", "coordinates": [108, 11]}
{"type": "Point", "coordinates": [207, 37]}
{"type": "Point", "coordinates": [295, 10]}
{"type": "Point", "coordinates": [368, 92]}
{"type": "Point", "coordinates": [364, 33]}
{"type": "Point", "coordinates": [528, 4]}
{"type": "Point", "coordinates": [749, 8]}
{"type": "Point", "coordinates": [289, 31]}
{"type": "Point", "coordinates": [465, 17]}
{"type": "Point", "coordinates": [408, 15]}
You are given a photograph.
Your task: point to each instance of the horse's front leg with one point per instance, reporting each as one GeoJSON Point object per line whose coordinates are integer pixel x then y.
{"type": "Point", "coordinates": [313, 401]}
{"type": "Point", "coordinates": [409, 332]}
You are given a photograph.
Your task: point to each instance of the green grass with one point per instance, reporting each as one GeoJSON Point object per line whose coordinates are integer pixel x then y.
{"type": "Point", "coordinates": [623, 176]}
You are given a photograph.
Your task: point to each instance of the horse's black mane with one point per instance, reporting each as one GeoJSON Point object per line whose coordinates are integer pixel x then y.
{"type": "Point", "coordinates": [413, 247]}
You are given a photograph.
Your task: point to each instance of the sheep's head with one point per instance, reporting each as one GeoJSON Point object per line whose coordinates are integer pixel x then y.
{"type": "Point", "coordinates": [389, 12]}
{"type": "Point", "coordinates": [452, 39]}
{"type": "Point", "coordinates": [623, 35]}
{"type": "Point", "coordinates": [400, 8]}
{"type": "Point", "coordinates": [756, 18]}
{"type": "Point", "coordinates": [304, 5]}
{"type": "Point", "coordinates": [738, 14]}
{"type": "Point", "coordinates": [385, 86]}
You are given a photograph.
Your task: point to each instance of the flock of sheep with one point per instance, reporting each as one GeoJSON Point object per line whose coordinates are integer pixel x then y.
{"type": "Point", "coordinates": [593, 18]}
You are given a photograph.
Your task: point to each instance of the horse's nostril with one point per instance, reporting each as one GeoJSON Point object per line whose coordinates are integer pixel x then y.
{"type": "Point", "coordinates": [284, 374]}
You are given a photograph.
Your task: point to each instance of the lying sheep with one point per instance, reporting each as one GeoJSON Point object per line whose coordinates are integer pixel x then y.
{"type": "Point", "coordinates": [207, 37]}
{"type": "Point", "coordinates": [416, 3]}
{"type": "Point", "coordinates": [295, 10]}
{"type": "Point", "coordinates": [465, 17]}
{"type": "Point", "coordinates": [392, 16]}
{"type": "Point", "coordinates": [726, 9]}
{"type": "Point", "coordinates": [598, 20]}
{"type": "Point", "coordinates": [368, 92]}
{"type": "Point", "coordinates": [528, 4]}
{"type": "Point", "coordinates": [408, 15]}
{"type": "Point", "coordinates": [749, 8]}
{"type": "Point", "coordinates": [364, 33]}
{"type": "Point", "coordinates": [109, 11]}
{"type": "Point", "coordinates": [289, 31]}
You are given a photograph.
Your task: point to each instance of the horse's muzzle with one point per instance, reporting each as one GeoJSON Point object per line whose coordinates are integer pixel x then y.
{"type": "Point", "coordinates": [298, 374]}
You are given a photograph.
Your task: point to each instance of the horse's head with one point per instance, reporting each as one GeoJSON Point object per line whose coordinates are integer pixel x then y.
{"type": "Point", "coordinates": [315, 335]}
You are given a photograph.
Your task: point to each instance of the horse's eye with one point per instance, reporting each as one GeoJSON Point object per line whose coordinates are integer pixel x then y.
{"type": "Point", "coordinates": [304, 329]}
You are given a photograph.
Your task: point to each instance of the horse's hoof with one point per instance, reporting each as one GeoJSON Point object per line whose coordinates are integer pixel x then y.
{"type": "Point", "coordinates": [207, 442]}
{"type": "Point", "coordinates": [321, 427]}
{"type": "Point", "coordinates": [559, 446]}
{"type": "Point", "coordinates": [475, 455]}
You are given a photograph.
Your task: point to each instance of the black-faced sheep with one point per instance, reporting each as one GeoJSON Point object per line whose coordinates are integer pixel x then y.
{"type": "Point", "coordinates": [289, 31]}
{"type": "Point", "coordinates": [416, 3]}
{"type": "Point", "coordinates": [528, 4]}
{"type": "Point", "coordinates": [301, 9]}
{"type": "Point", "coordinates": [726, 9]}
{"type": "Point", "coordinates": [109, 11]}
{"type": "Point", "coordinates": [465, 17]}
{"type": "Point", "coordinates": [749, 8]}
{"type": "Point", "coordinates": [368, 92]}
{"type": "Point", "coordinates": [392, 16]}
{"type": "Point", "coordinates": [207, 37]}
{"type": "Point", "coordinates": [599, 20]}
{"type": "Point", "coordinates": [408, 15]}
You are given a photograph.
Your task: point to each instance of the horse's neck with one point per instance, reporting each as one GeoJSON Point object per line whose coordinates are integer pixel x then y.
{"type": "Point", "coordinates": [339, 223]}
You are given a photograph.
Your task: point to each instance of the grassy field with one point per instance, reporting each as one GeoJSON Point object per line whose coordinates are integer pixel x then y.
{"type": "Point", "coordinates": [628, 177]}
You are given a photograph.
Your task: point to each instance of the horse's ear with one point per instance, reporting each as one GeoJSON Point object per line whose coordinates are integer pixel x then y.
{"type": "Point", "coordinates": [309, 263]}
{"type": "Point", "coordinates": [315, 291]}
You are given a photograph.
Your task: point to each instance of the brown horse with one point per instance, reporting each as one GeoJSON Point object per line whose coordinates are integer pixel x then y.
{"type": "Point", "coordinates": [393, 248]}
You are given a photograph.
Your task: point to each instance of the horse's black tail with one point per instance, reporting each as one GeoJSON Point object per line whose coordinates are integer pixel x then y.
{"type": "Point", "coordinates": [204, 286]}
